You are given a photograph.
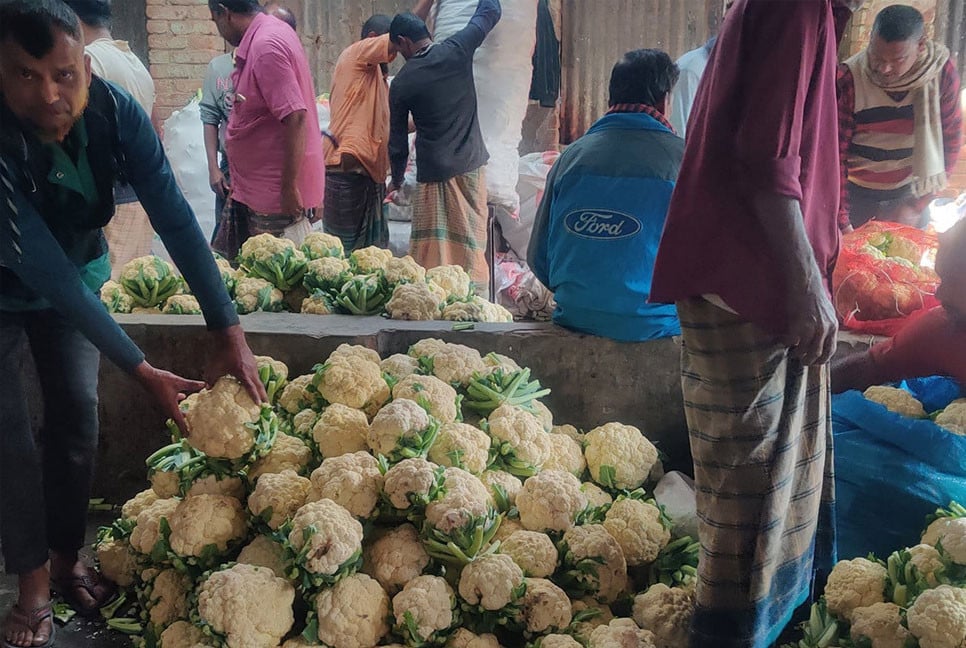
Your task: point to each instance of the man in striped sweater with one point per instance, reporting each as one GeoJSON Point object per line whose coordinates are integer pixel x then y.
{"type": "Point", "coordinates": [899, 122]}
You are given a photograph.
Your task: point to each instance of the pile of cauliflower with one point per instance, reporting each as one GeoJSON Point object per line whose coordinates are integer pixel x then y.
{"type": "Point", "coordinates": [917, 597]}
{"type": "Point", "coordinates": [952, 418]}
{"type": "Point", "coordinates": [272, 274]}
{"type": "Point", "coordinates": [369, 507]}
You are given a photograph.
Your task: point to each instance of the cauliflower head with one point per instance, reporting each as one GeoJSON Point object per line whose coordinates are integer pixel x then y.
{"type": "Point", "coordinates": [937, 617]}
{"type": "Point", "coordinates": [296, 395]}
{"type": "Point", "coordinates": [118, 562]}
{"type": "Point", "coordinates": [456, 363]}
{"type": "Point", "coordinates": [426, 348]}
{"type": "Point", "coordinates": [534, 552]}
{"type": "Point", "coordinates": [219, 423]}
{"type": "Point", "coordinates": [453, 279]}
{"type": "Point", "coordinates": [169, 597]}
{"type": "Point", "coordinates": [953, 540]}
{"type": "Point", "coordinates": [593, 563]}
{"type": "Point", "coordinates": [202, 520]}
{"type": "Point", "coordinates": [319, 245]}
{"type": "Point", "coordinates": [218, 485]}
{"type": "Point", "coordinates": [402, 430]}
{"type": "Point", "coordinates": [953, 418]}
{"type": "Point", "coordinates": [341, 430]}
{"type": "Point", "coordinates": [248, 605]}
{"type": "Point", "coordinates": [425, 609]}
{"type": "Point", "coordinates": [281, 494]}
{"type": "Point", "coordinates": [352, 481]}
{"type": "Point", "coordinates": [356, 351]}
{"type": "Point", "coordinates": [252, 294]}
{"type": "Point", "coordinates": [621, 633]}
{"type": "Point", "coordinates": [412, 482]}
{"type": "Point", "coordinates": [554, 640]}
{"type": "Point", "coordinates": [545, 607]}
{"type": "Point", "coordinates": [396, 557]}
{"type": "Point", "coordinates": [619, 456]}
{"type": "Point", "coordinates": [463, 638]}
{"type": "Point", "coordinates": [353, 613]}
{"type": "Point", "coordinates": [667, 613]}
{"type": "Point", "coordinates": [491, 582]}
{"type": "Point", "coordinates": [463, 446]}
{"type": "Point", "coordinates": [264, 551]}
{"type": "Point", "coordinates": [401, 270]}
{"type": "Point", "coordinates": [565, 454]}
{"type": "Point", "coordinates": [182, 634]}
{"type": "Point", "coordinates": [928, 562]}
{"type": "Point", "coordinates": [369, 259]}
{"type": "Point", "coordinates": [181, 305]}
{"type": "Point", "coordinates": [288, 453]}
{"type": "Point", "coordinates": [638, 529]}
{"type": "Point", "coordinates": [880, 623]}
{"type": "Point", "coordinates": [854, 584]}
{"type": "Point", "coordinates": [464, 498]}
{"type": "Point", "coordinates": [399, 365]}
{"type": "Point", "coordinates": [896, 400]}
{"type": "Point", "coordinates": [436, 396]}
{"type": "Point", "coordinates": [469, 310]}
{"type": "Point", "coordinates": [413, 301]}
{"type": "Point", "coordinates": [596, 496]}
{"type": "Point", "coordinates": [115, 299]}
{"type": "Point", "coordinates": [147, 531]}
{"type": "Point", "coordinates": [133, 507]}
{"type": "Point", "coordinates": [324, 274]}
{"type": "Point", "coordinates": [550, 501]}
{"type": "Point", "coordinates": [502, 484]}
{"type": "Point", "coordinates": [335, 542]}
{"type": "Point", "coordinates": [353, 382]}
{"type": "Point", "coordinates": [523, 444]}
{"type": "Point", "coordinates": [318, 303]}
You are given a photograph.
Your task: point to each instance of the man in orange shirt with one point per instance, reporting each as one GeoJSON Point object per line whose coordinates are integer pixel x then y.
{"type": "Point", "coordinates": [357, 154]}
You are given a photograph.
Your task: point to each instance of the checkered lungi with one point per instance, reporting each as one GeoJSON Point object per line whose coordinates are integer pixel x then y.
{"type": "Point", "coordinates": [129, 235]}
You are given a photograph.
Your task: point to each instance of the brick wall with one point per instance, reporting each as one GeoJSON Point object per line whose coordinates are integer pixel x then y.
{"type": "Point", "coordinates": [182, 39]}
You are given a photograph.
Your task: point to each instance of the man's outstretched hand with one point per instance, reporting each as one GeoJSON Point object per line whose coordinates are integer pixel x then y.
{"type": "Point", "coordinates": [232, 356]}
{"type": "Point", "coordinates": [168, 390]}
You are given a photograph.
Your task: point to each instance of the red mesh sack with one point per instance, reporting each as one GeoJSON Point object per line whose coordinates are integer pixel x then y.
{"type": "Point", "coordinates": [884, 274]}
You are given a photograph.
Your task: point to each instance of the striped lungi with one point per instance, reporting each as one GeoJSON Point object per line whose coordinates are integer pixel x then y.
{"type": "Point", "coordinates": [760, 429]}
{"type": "Point", "coordinates": [353, 210]}
{"type": "Point", "coordinates": [449, 226]}
{"type": "Point", "coordinates": [129, 235]}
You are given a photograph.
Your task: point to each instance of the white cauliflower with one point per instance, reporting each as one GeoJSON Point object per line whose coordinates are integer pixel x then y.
{"type": "Point", "coordinates": [410, 482]}
{"type": "Point", "coordinates": [352, 480]}
{"type": "Point", "coordinates": [461, 445]}
{"type": "Point", "coordinates": [288, 453]}
{"type": "Point", "coordinates": [165, 484]}
{"type": "Point", "coordinates": [341, 430]}
{"type": "Point", "coordinates": [303, 422]}
{"type": "Point", "coordinates": [336, 541]}
{"type": "Point", "coordinates": [395, 557]}
{"type": "Point", "coordinates": [133, 507]}
{"type": "Point", "coordinates": [467, 310]}
{"type": "Point", "coordinates": [369, 259]}
{"type": "Point", "coordinates": [414, 302]}
{"type": "Point", "coordinates": [182, 634]}
{"type": "Point", "coordinates": [619, 456]}
{"type": "Point", "coordinates": [953, 540]}
{"type": "Point", "coordinates": [667, 613]}
{"type": "Point", "coordinates": [927, 561]}
{"type": "Point", "coordinates": [426, 348]}
{"type": "Point", "coordinates": [463, 638]}
{"type": "Point", "coordinates": [296, 396]}
{"type": "Point", "coordinates": [491, 582]}
{"type": "Point", "coordinates": [219, 423]}
{"type": "Point", "coordinates": [456, 364]}
{"type": "Point", "coordinates": [545, 607]}
{"type": "Point", "coordinates": [565, 454]}
{"type": "Point", "coordinates": [115, 299]}
{"type": "Point", "coordinates": [248, 605]}
{"type": "Point", "coordinates": [117, 561]}
{"type": "Point", "coordinates": [602, 615]}
{"type": "Point", "coordinates": [502, 484]}
{"type": "Point", "coordinates": [353, 613]}
{"type": "Point", "coordinates": [621, 633]}
{"type": "Point", "coordinates": [937, 618]}
{"type": "Point", "coordinates": [181, 305]}
{"type": "Point", "coordinates": [558, 641]}
{"type": "Point", "coordinates": [543, 414]}
{"type": "Point", "coordinates": [534, 552]}
{"type": "Point", "coordinates": [638, 529]}
{"type": "Point", "coordinates": [523, 444]}
{"type": "Point", "coordinates": [319, 245]}
{"type": "Point", "coordinates": [880, 623]}
{"type": "Point", "coordinates": [169, 597]}
{"type": "Point", "coordinates": [953, 418]}
{"type": "Point", "coordinates": [399, 365]}
{"type": "Point", "coordinates": [854, 584]}
{"type": "Point", "coordinates": [252, 294]}
{"type": "Point", "coordinates": [353, 382]}
{"type": "Point", "coordinates": [596, 496]}
{"type": "Point", "coordinates": [402, 430]}
{"type": "Point", "coordinates": [326, 273]}
{"type": "Point", "coordinates": [464, 497]}
{"type": "Point", "coordinates": [424, 609]}
{"type": "Point", "coordinates": [932, 534]}
{"type": "Point", "coordinates": [550, 501]}
{"type": "Point", "coordinates": [264, 551]}
{"type": "Point", "coordinates": [896, 400]}
{"type": "Point", "coordinates": [588, 544]}
{"type": "Point", "coordinates": [453, 279]}
{"type": "Point", "coordinates": [202, 520]}
{"type": "Point", "coordinates": [404, 270]}
{"type": "Point", "coordinates": [436, 396]}
{"type": "Point", "coordinates": [281, 494]}
{"type": "Point", "coordinates": [147, 532]}
{"type": "Point", "coordinates": [218, 485]}
{"type": "Point", "coordinates": [317, 303]}
{"type": "Point", "coordinates": [356, 351]}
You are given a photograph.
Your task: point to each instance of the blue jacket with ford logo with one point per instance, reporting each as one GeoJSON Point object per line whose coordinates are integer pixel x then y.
{"type": "Point", "coordinates": [597, 230]}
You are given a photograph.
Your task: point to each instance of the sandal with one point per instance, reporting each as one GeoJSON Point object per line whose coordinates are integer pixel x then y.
{"type": "Point", "coordinates": [31, 620]}
{"type": "Point", "coordinates": [101, 591]}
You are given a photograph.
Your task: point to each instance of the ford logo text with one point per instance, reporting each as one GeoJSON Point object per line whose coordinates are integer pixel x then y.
{"type": "Point", "coordinates": [601, 224]}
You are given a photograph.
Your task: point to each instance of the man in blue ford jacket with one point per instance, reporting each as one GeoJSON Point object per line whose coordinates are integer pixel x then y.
{"type": "Point", "coordinates": [597, 229]}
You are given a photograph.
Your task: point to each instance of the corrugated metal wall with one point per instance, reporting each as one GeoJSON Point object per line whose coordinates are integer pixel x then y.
{"type": "Point", "coordinates": [597, 32]}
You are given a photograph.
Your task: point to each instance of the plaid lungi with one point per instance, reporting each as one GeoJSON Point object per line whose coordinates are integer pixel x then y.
{"type": "Point", "coordinates": [239, 222]}
{"type": "Point", "coordinates": [760, 431]}
{"type": "Point", "coordinates": [129, 235]}
{"type": "Point", "coordinates": [353, 210]}
{"type": "Point", "coordinates": [449, 226]}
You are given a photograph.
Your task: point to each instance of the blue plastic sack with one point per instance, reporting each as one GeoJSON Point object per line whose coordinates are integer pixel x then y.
{"type": "Point", "coordinates": [892, 471]}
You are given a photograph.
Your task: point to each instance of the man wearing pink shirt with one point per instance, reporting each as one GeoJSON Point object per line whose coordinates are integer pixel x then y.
{"type": "Point", "coordinates": [273, 140]}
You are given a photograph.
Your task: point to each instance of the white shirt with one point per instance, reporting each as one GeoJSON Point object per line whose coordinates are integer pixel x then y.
{"type": "Point", "coordinates": [113, 60]}
{"type": "Point", "coordinates": [692, 67]}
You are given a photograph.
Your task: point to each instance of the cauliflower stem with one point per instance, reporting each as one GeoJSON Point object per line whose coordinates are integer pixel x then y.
{"type": "Point", "coordinates": [461, 546]}
{"type": "Point", "coordinates": [486, 393]}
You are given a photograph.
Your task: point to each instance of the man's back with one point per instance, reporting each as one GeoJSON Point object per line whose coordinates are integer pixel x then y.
{"type": "Point", "coordinates": [114, 61]}
{"type": "Point", "coordinates": [599, 225]}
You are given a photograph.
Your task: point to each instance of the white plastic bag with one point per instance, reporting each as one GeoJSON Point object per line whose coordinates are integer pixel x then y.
{"type": "Point", "coordinates": [503, 70]}
{"type": "Point", "coordinates": [533, 171]}
{"type": "Point", "coordinates": [184, 144]}
{"type": "Point", "coordinates": [675, 492]}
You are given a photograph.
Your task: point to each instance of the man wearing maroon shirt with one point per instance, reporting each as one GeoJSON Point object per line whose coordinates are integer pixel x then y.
{"type": "Point", "coordinates": [934, 343]}
{"type": "Point", "coordinates": [747, 254]}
